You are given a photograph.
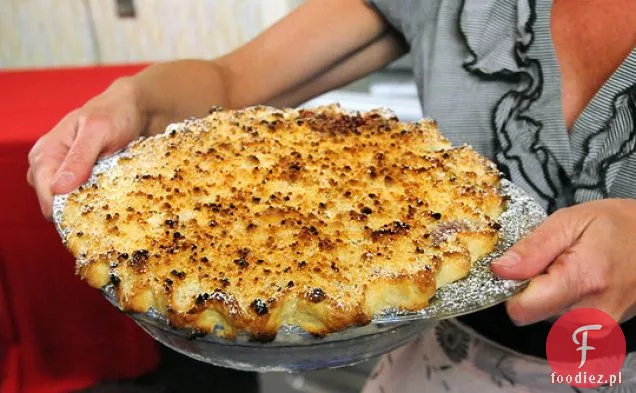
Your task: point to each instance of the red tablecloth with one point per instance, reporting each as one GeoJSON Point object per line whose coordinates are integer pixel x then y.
{"type": "Point", "coordinates": [56, 333]}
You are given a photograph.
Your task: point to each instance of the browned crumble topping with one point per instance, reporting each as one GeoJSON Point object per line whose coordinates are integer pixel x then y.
{"type": "Point", "coordinates": [316, 295]}
{"type": "Point", "coordinates": [257, 218]}
{"type": "Point", "coordinates": [259, 307]}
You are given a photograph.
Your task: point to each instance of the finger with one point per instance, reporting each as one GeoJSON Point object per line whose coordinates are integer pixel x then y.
{"type": "Point", "coordinates": [84, 151]}
{"type": "Point", "coordinates": [46, 156]}
{"type": "Point", "coordinates": [42, 174]}
{"type": "Point", "coordinates": [533, 254]}
{"type": "Point", "coordinates": [566, 282]}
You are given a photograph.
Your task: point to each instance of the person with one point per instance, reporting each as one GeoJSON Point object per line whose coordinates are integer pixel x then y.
{"type": "Point", "coordinates": [545, 88]}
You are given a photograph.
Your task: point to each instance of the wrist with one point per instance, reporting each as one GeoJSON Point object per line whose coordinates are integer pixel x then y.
{"type": "Point", "coordinates": [125, 98]}
{"type": "Point", "coordinates": [131, 89]}
{"type": "Point", "coordinates": [156, 108]}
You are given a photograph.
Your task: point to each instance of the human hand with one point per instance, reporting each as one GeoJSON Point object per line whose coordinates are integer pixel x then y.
{"type": "Point", "coordinates": [62, 159]}
{"type": "Point", "coordinates": [581, 256]}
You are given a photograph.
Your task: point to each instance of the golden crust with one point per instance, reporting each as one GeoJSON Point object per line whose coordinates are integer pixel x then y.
{"type": "Point", "coordinates": [259, 218]}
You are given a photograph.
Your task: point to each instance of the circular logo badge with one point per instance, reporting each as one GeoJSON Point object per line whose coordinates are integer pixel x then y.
{"type": "Point", "coordinates": [586, 349]}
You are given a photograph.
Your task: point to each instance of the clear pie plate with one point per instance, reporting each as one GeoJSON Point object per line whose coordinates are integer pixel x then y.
{"type": "Point", "coordinates": [295, 350]}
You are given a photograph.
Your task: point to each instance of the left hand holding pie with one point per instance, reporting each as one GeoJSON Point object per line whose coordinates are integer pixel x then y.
{"type": "Point", "coordinates": [580, 256]}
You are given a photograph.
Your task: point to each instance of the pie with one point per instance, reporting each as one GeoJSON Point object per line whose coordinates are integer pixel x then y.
{"type": "Point", "coordinates": [253, 219]}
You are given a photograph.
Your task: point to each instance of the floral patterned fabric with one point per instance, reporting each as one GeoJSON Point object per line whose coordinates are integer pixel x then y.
{"type": "Point", "coordinates": [451, 357]}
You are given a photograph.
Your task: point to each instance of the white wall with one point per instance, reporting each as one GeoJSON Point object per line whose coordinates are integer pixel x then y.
{"type": "Point", "coordinates": [44, 33]}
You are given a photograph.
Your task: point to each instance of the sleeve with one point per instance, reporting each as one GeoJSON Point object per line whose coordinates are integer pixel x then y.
{"type": "Point", "coordinates": [408, 17]}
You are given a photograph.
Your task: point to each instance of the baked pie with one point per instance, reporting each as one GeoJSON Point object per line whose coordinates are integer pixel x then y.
{"type": "Point", "coordinates": [253, 219]}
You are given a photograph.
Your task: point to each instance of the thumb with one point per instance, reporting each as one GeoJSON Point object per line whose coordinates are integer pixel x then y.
{"type": "Point", "coordinates": [533, 254]}
{"type": "Point", "coordinates": [565, 283]}
{"type": "Point", "coordinates": [547, 294]}
{"type": "Point", "coordinates": [84, 151]}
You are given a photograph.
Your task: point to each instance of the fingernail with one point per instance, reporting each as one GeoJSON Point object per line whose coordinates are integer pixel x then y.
{"type": "Point", "coordinates": [507, 260]}
{"type": "Point", "coordinates": [63, 181]}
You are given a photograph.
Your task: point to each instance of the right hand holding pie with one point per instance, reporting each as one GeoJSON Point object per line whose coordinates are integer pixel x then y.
{"type": "Point", "coordinates": [62, 159]}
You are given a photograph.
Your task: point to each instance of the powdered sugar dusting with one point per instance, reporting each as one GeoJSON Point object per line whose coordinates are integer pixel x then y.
{"type": "Point", "coordinates": [481, 289]}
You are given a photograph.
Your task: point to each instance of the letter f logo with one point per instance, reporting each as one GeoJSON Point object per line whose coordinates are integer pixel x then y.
{"type": "Point", "coordinates": [584, 347]}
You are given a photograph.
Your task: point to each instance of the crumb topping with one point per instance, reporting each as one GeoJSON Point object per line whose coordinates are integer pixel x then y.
{"type": "Point", "coordinates": [255, 218]}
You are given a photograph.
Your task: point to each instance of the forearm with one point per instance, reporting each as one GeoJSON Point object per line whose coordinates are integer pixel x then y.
{"type": "Point", "coordinates": [371, 58]}
{"type": "Point", "coordinates": [322, 45]}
